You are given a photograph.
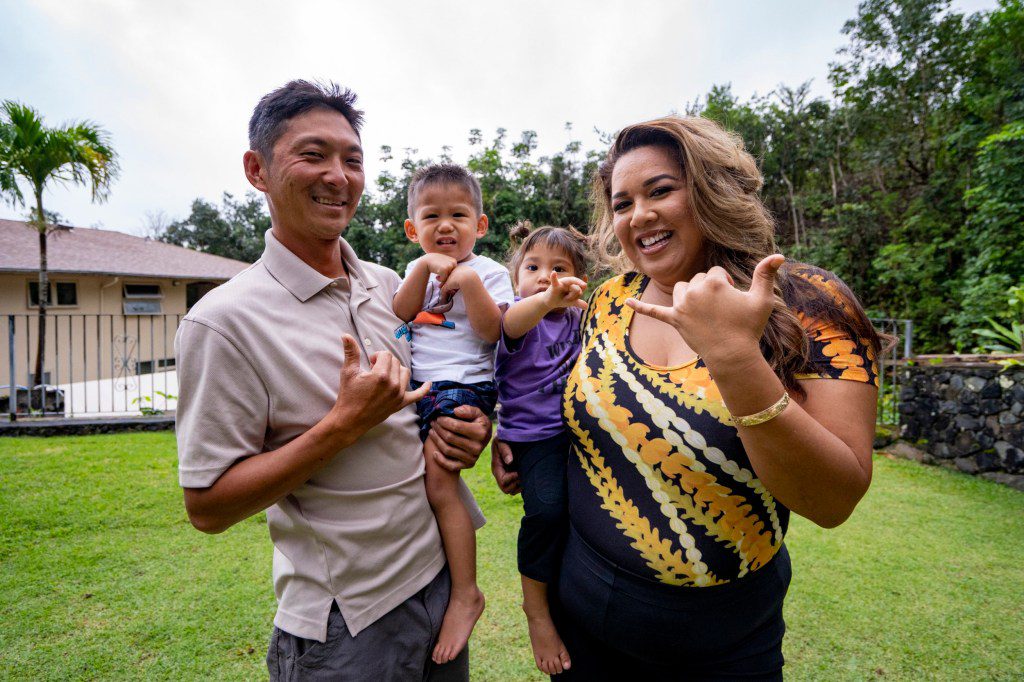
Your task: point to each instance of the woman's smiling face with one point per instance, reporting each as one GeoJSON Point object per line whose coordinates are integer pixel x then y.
{"type": "Point", "coordinates": [651, 216]}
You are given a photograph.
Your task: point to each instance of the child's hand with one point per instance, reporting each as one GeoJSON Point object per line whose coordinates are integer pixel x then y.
{"type": "Point", "coordinates": [457, 280]}
{"type": "Point", "coordinates": [563, 292]}
{"type": "Point", "coordinates": [440, 265]}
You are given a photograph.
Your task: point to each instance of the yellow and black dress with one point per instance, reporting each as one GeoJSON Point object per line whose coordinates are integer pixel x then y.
{"type": "Point", "coordinates": [665, 509]}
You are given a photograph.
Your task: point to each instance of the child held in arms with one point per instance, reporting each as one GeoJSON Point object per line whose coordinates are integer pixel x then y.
{"type": "Point", "coordinates": [452, 301]}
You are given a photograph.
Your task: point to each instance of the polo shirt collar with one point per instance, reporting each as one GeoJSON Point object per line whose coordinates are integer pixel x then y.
{"type": "Point", "coordinates": [301, 279]}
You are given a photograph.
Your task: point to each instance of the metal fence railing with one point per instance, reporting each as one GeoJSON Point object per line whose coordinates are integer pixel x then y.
{"type": "Point", "coordinates": [888, 375]}
{"type": "Point", "coordinates": [111, 364]}
{"type": "Point", "coordinates": [95, 364]}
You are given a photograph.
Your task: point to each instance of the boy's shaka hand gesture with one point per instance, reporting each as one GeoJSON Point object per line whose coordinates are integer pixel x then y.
{"type": "Point", "coordinates": [563, 291]}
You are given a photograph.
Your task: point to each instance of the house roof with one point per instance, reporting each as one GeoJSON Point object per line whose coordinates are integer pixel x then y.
{"type": "Point", "coordinates": [105, 252]}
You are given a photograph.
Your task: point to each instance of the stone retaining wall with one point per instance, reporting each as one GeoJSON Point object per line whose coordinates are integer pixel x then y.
{"type": "Point", "coordinates": [966, 414]}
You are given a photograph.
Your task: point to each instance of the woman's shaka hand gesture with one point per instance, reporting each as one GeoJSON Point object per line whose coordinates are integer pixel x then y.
{"type": "Point", "coordinates": [713, 316]}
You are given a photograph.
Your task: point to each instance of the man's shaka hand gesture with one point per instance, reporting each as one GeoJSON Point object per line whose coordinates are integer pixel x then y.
{"type": "Point", "coordinates": [367, 398]}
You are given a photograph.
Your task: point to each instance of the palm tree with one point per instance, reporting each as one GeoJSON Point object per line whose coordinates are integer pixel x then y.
{"type": "Point", "coordinates": [77, 153]}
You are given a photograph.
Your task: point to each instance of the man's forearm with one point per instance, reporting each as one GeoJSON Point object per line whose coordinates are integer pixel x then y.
{"type": "Point", "coordinates": [366, 398]}
{"type": "Point", "coordinates": [251, 485]}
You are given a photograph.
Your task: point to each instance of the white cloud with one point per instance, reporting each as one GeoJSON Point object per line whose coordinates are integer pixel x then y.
{"type": "Point", "coordinates": [175, 82]}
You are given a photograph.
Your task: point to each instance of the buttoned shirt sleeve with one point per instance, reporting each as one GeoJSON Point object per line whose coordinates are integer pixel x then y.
{"type": "Point", "coordinates": [223, 405]}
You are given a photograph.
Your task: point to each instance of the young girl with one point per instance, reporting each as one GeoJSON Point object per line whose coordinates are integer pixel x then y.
{"type": "Point", "coordinates": [540, 340]}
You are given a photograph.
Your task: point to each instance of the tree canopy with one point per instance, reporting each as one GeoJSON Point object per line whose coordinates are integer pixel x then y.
{"type": "Point", "coordinates": [235, 230]}
{"type": "Point", "coordinates": [906, 181]}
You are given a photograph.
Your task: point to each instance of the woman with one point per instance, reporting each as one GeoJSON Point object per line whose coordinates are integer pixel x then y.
{"type": "Point", "coordinates": [718, 388]}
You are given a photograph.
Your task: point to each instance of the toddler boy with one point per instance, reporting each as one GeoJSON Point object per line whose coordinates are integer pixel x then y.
{"type": "Point", "coordinates": [451, 301]}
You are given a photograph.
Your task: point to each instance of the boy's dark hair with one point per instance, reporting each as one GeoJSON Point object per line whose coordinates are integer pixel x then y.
{"type": "Point", "coordinates": [444, 174]}
{"type": "Point", "coordinates": [524, 236]}
{"type": "Point", "coordinates": [295, 98]}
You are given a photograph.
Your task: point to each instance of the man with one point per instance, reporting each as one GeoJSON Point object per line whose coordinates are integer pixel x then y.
{"type": "Point", "coordinates": [264, 422]}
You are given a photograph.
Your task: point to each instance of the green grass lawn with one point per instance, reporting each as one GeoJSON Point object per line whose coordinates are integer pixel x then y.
{"type": "Point", "coordinates": [102, 577]}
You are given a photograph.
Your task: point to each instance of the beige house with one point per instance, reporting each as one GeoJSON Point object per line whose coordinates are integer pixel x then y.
{"type": "Point", "coordinates": [114, 306]}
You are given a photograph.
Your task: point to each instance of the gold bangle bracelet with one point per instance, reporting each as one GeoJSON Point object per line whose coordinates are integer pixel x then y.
{"type": "Point", "coordinates": [767, 414]}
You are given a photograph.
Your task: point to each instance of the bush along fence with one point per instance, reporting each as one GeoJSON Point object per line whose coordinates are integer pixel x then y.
{"type": "Point", "coordinates": [967, 412]}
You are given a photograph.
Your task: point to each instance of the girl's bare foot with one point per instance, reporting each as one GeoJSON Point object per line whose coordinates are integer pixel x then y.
{"type": "Point", "coordinates": [548, 650]}
{"type": "Point", "coordinates": [464, 609]}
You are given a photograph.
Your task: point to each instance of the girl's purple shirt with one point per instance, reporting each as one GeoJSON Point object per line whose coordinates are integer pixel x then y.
{"type": "Point", "coordinates": [531, 373]}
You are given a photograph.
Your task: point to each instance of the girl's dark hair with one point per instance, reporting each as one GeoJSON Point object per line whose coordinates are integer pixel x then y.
{"type": "Point", "coordinates": [524, 236]}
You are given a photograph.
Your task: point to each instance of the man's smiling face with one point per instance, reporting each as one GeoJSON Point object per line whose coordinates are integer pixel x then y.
{"type": "Point", "coordinates": [315, 176]}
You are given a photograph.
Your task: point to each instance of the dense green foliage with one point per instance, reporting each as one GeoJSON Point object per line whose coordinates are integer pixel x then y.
{"type": "Point", "coordinates": [515, 186]}
{"type": "Point", "coordinates": [908, 181]}
{"type": "Point", "coordinates": [994, 238]}
{"type": "Point", "coordinates": [234, 231]}
{"type": "Point", "coordinates": [104, 579]}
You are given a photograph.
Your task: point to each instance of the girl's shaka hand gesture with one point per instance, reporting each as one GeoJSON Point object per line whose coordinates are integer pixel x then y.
{"type": "Point", "coordinates": [563, 292]}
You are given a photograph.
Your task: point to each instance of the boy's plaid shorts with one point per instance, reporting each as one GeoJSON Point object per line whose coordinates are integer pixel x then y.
{"type": "Point", "coordinates": [445, 396]}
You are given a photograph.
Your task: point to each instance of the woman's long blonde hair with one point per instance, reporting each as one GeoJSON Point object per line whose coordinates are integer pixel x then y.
{"type": "Point", "coordinates": [722, 182]}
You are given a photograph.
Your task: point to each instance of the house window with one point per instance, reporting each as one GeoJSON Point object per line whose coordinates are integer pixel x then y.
{"type": "Point", "coordinates": [67, 295]}
{"type": "Point", "coordinates": [142, 299]}
{"type": "Point", "coordinates": [195, 291]}
{"type": "Point", "coordinates": [150, 366]}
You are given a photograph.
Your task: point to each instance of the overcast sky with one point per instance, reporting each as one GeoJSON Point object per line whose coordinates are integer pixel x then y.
{"type": "Point", "coordinates": [175, 82]}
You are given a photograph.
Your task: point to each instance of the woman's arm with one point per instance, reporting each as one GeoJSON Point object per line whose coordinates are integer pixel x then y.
{"type": "Point", "coordinates": [815, 457]}
{"type": "Point", "coordinates": [501, 458]}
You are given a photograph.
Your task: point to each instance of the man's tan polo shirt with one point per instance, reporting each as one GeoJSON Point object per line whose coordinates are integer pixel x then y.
{"type": "Point", "coordinates": [259, 360]}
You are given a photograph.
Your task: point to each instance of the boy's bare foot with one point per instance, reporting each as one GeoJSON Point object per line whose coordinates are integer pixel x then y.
{"type": "Point", "coordinates": [464, 609]}
{"type": "Point", "coordinates": [548, 650]}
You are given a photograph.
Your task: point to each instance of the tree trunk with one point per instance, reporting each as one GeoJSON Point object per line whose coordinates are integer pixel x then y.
{"type": "Point", "coordinates": [835, 188]}
{"type": "Point", "coordinates": [44, 289]}
{"type": "Point", "coordinates": [880, 180]}
{"type": "Point", "coordinates": [792, 208]}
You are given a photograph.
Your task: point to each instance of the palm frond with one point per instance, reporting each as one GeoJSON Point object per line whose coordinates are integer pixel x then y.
{"type": "Point", "coordinates": [77, 153]}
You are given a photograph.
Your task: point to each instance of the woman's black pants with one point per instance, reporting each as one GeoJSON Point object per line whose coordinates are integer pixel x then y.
{"type": "Point", "coordinates": [619, 626]}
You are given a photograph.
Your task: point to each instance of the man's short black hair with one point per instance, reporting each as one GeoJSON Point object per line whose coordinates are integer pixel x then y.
{"type": "Point", "coordinates": [295, 98]}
